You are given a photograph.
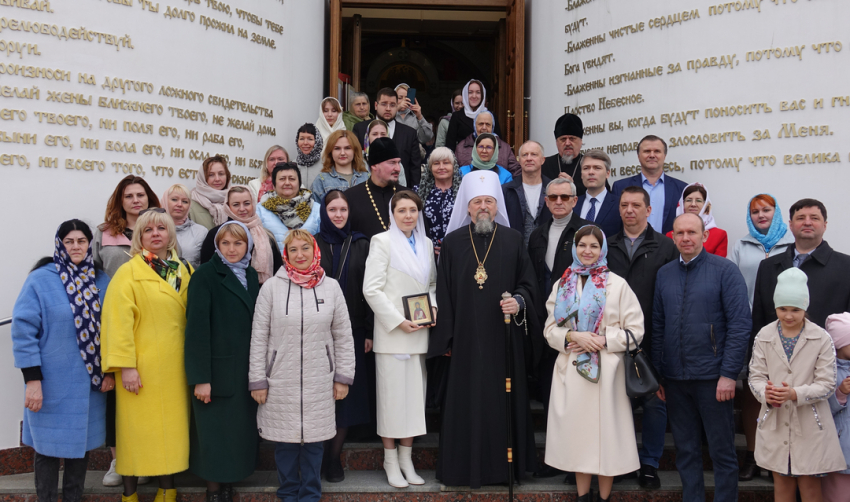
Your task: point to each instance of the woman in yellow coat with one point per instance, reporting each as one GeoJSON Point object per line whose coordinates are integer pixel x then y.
{"type": "Point", "coordinates": [144, 321]}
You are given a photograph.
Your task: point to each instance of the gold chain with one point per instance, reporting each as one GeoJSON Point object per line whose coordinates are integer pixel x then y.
{"type": "Point", "coordinates": [381, 219]}
{"type": "Point", "coordinates": [481, 272]}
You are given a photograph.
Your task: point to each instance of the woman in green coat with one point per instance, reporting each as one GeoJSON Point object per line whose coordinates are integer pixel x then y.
{"type": "Point", "coordinates": [223, 434]}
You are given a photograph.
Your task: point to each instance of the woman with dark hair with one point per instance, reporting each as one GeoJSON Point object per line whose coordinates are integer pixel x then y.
{"type": "Point", "coordinates": [342, 165]}
{"type": "Point", "coordinates": [265, 255]}
{"type": "Point", "coordinates": [769, 236]}
{"type": "Point", "coordinates": [344, 258]}
{"type": "Point", "coordinates": [211, 186]}
{"type": "Point", "coordinates": [484, 157]}
{"type": "Point", "coordinates": [111, 249]}
{"type": "Point", "coordinates": [443, 128]}
{"type": "Point", "coordinates": [144, 324]}
{"type": "Point", "coordinates": [65, 404]}
{"type": "Point", "coordinates": [310, 145]}
{"type": "Point", "coordinates": [263, 185]}
{"type": "Point", "coordinates": [695, 200]}
{"type": "Point", "coordinates": [290, 207]}
{"type": "Point", "coordinates": [462, 123]}
{"type": "Point", "coordinates": [400, 263]}
{"type": "Point", "coordinates": [590, 311]}
{"type": "Point", "coordinates": [219, 312]}
{"type": "Point", "coordinates": [438, 189]}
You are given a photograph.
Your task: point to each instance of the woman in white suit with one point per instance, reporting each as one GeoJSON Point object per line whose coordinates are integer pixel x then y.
{"type": "Point", "coordinates": [400, 263]}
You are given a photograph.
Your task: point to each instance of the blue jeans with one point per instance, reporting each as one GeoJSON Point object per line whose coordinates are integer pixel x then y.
{"type": "Point", "coordinates": [694, 402]}
{"type": "Point", "coordinates": [653, 429]}
{"type": "Point", "coordinates": [299, 470]}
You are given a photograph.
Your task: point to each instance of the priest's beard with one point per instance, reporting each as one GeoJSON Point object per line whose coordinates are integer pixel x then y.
{"type": "Point", "coordinates": [567, 159]}
{"type": "Point", "coordinates": [484, 225]}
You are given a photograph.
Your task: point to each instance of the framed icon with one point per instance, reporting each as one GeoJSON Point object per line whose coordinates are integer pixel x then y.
{"type": "Point", "coordinates": [417, 309]}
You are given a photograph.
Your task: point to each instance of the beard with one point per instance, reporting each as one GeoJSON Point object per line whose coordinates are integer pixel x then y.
{"type": "Point", "coordinates": [484, 225]}
{"type": "Point", "coordinates": [567, 159]}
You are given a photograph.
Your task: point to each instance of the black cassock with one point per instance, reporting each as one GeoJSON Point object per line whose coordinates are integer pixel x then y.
{"type": "Point", "coordinates": [473, 439]}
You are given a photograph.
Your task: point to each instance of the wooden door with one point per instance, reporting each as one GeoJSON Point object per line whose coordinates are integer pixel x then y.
{"type": "Point", "coordinates": [515, 73]}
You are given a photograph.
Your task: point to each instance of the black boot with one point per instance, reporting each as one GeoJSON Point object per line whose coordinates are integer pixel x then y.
{"type": "Point", "coordinates": [215, 496]}
{"type": "Point", "coordinates": [750, 469]}
{"type": "Point", "coordinates": [335, 472]}
{"type": "Point", "coordinates": [600, 499]}
{"type": "Point", "coordinates": [227, 492]}
{"type": "Point", "coordinates": [587, 497]}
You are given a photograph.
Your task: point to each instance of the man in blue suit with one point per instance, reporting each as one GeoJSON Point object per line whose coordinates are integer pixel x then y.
{"type": "Point", "coordinates": [664, 191]}
{"type": "Point", "coordinates": [598, 205]}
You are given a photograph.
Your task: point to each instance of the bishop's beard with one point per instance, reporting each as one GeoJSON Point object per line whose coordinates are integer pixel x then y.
{"type": "Point", "coordinates": [484, 226]}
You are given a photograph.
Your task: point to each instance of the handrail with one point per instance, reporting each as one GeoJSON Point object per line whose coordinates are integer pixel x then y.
{"type": "Point", "coordinates": [5, 321]}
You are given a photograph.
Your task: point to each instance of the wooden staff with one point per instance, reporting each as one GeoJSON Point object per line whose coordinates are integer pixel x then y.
{"type": "Point", "coordinates": [509, 369]}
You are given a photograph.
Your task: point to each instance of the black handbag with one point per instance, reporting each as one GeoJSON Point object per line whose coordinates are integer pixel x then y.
{"type": "Point", "coordinates": [641, 378]}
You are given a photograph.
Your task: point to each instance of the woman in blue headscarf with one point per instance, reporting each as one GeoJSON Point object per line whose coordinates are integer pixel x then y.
{"type": "Point", "coordinates": [591, 429]}
{"type": "Point", "coordinates": [768, 236]}
{"type": "Point", "coordinates": [344, 258]}
{"type": "Point", "coordinates": [223, 437]}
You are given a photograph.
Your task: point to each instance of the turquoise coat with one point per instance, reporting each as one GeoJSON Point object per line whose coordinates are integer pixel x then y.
{"type": "Point", "coordinates": [72, 419]}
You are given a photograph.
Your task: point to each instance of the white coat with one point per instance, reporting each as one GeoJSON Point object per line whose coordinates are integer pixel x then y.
{"type": "Point", "coordinates": [590, 426]}
{"type": "Point", "coordinates": [383, 288]}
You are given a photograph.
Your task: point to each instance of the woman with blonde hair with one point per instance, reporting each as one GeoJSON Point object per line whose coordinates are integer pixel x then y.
{"type": "Point", "coordinates": [263, 185]}
{"type": "Point", "coordinates": [211, 186]}
{"type": "Point", "coordinates": [190, 235]}
{"type": "Point", "coordinates": [342, 165]}
{"type": "Point", "coordinates": [301, 362]}
{"type": "Point", "coordinates": [330, 118]}
{"type": "Point", "coordinates": [142, 336]}
{"type": "Point", "coordinates": [265, 256]}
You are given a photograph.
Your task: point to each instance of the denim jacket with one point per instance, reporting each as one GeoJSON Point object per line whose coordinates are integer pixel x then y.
{"type": "Point", "coordinates": [325, 182]}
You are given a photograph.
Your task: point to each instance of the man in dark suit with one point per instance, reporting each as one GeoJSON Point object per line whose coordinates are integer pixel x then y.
{"type": "Point", "coordinates": [829, 290]}
{"type": "Point", "coordinates": [525, 196]}
{"type": "Point", "coordinates": [664, 191]}
{"type": "Point", "coordinates": [551, 250]}
{"type": "Point", "coordinates": [598, 205]}
{"type": "Point", "coordinates": [405, 137]}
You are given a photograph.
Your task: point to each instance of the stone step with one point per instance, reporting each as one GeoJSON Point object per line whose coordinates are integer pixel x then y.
{"type": "Point", "coordinates": [369, 456]}
{"type": "Point", "coordinates": [369, 486]}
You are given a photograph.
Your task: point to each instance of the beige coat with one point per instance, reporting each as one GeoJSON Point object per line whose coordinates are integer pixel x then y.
{"type": "Point", "coordinates": [591, 429]}
{"type": "Point", "coordinates": [301, 344]}
{"type": "Point", "coordinates": [803, 429]}
{"type": "Point", "coordinates": [383, 288]}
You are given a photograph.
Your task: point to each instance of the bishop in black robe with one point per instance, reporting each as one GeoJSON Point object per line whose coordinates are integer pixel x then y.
{"type": "Point", "coordinates": [470, 324]}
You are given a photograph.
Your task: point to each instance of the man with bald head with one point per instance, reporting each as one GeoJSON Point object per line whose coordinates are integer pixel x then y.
{"type": "Point", "coordinates": [484, 123]}
{"type": "Point", "coordinates": [700, 333]}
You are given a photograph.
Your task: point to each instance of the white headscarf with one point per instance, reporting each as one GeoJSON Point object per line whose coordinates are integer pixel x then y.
{"type": "Point", "coordinates": [467, 109]}
{"type": "Point", "coordinates": [476, 184]}
{"type": "Point", "coordinates": [707, 218]}
{"type": "Point", "coordinates": [402, 258]}
{"type": "Point", "coordinates": [322, 125]}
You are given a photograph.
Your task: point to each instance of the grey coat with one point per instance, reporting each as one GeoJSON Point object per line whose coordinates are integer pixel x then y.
{"type": "Point", "coordinates": [748, 253]}
{"type": "Point", "coordinates": [109, 251]}
{"type": "Point", "coordinates": [301, 344]}
{"type": "Point", "coordinates": [190, 238]}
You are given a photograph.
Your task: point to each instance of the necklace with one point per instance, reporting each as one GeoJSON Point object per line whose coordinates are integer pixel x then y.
{"type": "Point", "coordinates": [380, 219]}
{"type": "Point", "coordinates": [481, 273]}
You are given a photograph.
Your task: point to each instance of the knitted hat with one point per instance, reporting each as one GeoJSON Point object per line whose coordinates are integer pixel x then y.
{"type": "Point", "coordinates": [569, 125]}
{"type": "Point", "coordinates": [792, 289]}
{"type": "Point", "coordinates": [838, 327]}
{"type": "Point", "coordinates": [382, 150]}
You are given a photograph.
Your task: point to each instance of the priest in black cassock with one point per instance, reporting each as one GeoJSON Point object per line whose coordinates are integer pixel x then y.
{"type": "Point", "coordinates": [481, 258]}
{"type": "Point", "coordinates": [567, 160]}
{"type": "Point", "coordinates": [369, 203]}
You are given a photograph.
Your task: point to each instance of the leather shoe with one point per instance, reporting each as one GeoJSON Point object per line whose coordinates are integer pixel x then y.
{"type": "Point", "coordinates": [749, 470]}
{"type": "Point", "coordinates": [335, 472]}
{"type": "Point", "coordinates": [546, 471]}
{"type": "Point", "coordinates": [648, 477]}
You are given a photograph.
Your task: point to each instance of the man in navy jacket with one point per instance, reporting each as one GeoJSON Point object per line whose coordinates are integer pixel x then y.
{"type": "Point", "coordinates": [700, 332]}
{"type": "Point", "coordinates": [664, 191]}
{"type": "Point", "coordinates": [598, 205]}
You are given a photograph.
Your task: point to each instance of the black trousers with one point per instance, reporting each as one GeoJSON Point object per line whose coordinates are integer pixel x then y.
{"type": "Point", "coordinates": [47, 478]}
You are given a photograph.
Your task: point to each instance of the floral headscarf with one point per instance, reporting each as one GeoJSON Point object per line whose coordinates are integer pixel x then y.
{"type": "Point", "coordinates": [310, 159]}
{"type": "Point", "coordinates": [310, 278]}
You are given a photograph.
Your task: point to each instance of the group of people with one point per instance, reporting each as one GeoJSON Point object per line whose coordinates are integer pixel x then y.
{"type": "Point", "coordinates": [283, 310]}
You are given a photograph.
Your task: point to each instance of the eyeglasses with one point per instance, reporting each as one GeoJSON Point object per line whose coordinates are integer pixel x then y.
{"type": "Point", "coordinates": [486, 148]}
{"type": "Point", "coordinates": [154, 209]}
{"type": "Point", "coordinates": [563, 196]}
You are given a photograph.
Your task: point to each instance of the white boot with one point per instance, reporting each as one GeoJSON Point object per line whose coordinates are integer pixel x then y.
{"type": "Point", "coordinates": [394, 476]}
{"type": "Point", "coordinates": [405, 462]}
